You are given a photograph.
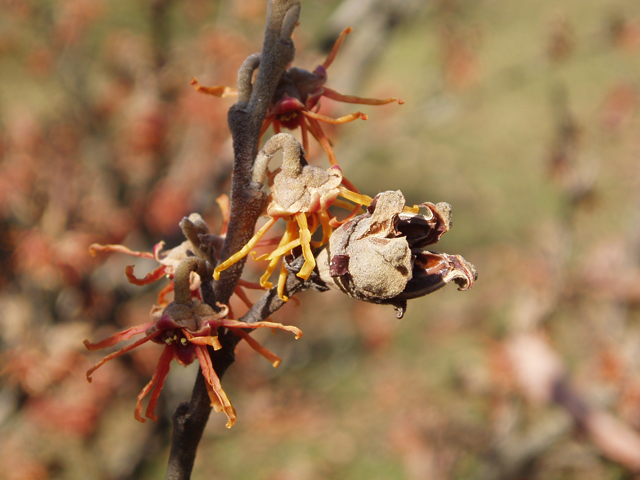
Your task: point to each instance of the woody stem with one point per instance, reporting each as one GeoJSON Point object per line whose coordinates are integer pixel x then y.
{"type": "Point", "coordinates": [248, 200]}
{"type": "Point", "coordinates": [245, 119]}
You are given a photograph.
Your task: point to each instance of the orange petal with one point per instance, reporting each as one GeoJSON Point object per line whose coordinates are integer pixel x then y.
{"type": "Point", "coordinates": [265, 125]}
{"type": "Point", "coordinates": [253, 343]}
{"type": "Point", "coordinates": [120, 352]}
{"type": "Point", "coordinates": [217, 91]}
{"type": "Point", "coordinates": [316, 130]}
{"type": "Point", "coordinates": [211, 340]}
{"type": "Point", "coordinates": [216, 393]}
{"type": "Point", "coordinates": [94, 248]}
{"type": "Point", "coordinates": [332, 94]}
{"type": "Point", "coordinates": [336, 48]}
{"type": "Point", "coordinates": [162, 295]}
{"type": "Point", "coordinates": [244, 251]}
{"type": "Point", "coordinates": [335, 121]}
{"type": "Point", "coordinates": [162, 370]}
{"type": "Point", "coordinates": [358, 198]}
{"type": "Point", "coordinates": [224, 204]}
{"type": "Point", "coordinates": [118, 337]}
{"type": "Point", "coordinates": [305, 136]}
{"type": "Point", "coordinates": [151, 277]}
{"type": "Point", "coordinates": [335, 223]}
{"type": "Point", "coordinates": [228, 323]}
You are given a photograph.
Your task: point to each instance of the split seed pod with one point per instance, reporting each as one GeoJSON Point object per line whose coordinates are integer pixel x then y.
{"type": "Point", "coordinates": [377, 257]}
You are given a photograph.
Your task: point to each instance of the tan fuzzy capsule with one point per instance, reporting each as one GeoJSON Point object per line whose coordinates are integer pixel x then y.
{"type": "Point", "coordinates": [377, 257]}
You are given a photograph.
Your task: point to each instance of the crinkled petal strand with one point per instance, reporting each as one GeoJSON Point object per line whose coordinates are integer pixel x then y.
{"type": "Point", "coordinates": [204, 340]}
{"type": "Point", "coordinates": [224, 204]}
{"type": "Point", "coordinates": [217, 91]}
{"type": "Point", "coordinates": [332, 94]}
{"type": "Point", "coordinates": [314, 128]}
{"type": "Point", "coordinates": [227, 323]}
{"type": "Point", "coordinates": [274, 359]}
{"type": "Point", "coordinates": [162, 294]}
{"type": "Point", "coordinates": [151, 277]}
{"type": "Point", "coordinates": [282, 282]}
{"type": "Point", "coordinates": [354, 197]}
{"type": "Point", "coordinates": [280, 251]}
{"type": "Point", "coordinates": [158, 378]}
{"type": "Point", "coordinates": [336, 48]}
{"type": "Point", "coordinates": [96, 247]}
{"type": "Point", "coordinates": [304, 133]}
{"type": "Point", "coordinates": [118, 337]}
{"type": "Point", "coordinates": [122, 351]}
{"type": "Point", "coordinates": [290, 233]}
{"type": "Point", "coordinates": [335, 121]}
{"type": "Point", "coordinates": [325, 220]}
{"type": "Point", "coordinates": [266, 124]}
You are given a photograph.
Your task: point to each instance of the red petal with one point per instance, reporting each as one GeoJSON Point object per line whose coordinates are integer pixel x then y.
{"type": "Point", "coordinates": [157, 249]}
{"type": "Point", "coordinates": [158, 378]}
{"type": "Point", "coordinates": [157, 274]}
{"type": "Point", "coordinates": [118, 337]}
{"type": "Point", "coordinates": [120, 352]}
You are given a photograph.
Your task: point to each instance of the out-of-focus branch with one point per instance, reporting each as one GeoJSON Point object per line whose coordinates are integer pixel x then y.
{"type": "Point", "coordinates": [247, 204]}
{"type": "Point", "coordinates": [159, 30]}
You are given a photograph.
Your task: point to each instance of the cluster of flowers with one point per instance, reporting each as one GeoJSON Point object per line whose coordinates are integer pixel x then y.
{"type": "Point", "coordinates": [186, 326]}
{"type": "Point", "coordinates": [374, 255]}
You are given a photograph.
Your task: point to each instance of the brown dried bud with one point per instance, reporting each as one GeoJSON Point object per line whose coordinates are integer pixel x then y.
{"type": "Point", "coordinates": [377, 257]}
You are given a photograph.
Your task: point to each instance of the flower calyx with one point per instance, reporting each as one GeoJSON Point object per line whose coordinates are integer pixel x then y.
{"type": "Point", "coordinates": [302, 188]}
{"type": "Point", "coordinates": [187, 326]}
{"type": "Point", "coordinates": [301, 195]}
{"type": "Point", "coordinates": [186, 330]}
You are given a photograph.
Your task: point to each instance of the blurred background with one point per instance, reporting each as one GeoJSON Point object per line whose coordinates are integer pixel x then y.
{"type": "Point", "coordinates": [524, 116]}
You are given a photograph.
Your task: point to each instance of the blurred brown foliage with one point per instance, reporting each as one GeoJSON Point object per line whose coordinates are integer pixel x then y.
{"type": "Point", "coordinates": [534, 374]}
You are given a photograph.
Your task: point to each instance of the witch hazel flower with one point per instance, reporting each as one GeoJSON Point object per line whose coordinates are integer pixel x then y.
{"type": "Point", "coordinates": [164, 270]}
{"type": "Point", "coordinates": [296, 101]}
{"type": "Point", "coordinates": [301, 195]}
{"type": "Point", "coordinates": [186, 328]}
{"type": "Point", "coordinates": [197, 232]}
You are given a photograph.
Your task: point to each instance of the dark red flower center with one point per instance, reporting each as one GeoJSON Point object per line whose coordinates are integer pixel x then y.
{"type": "Point", "coordinates": [173, 337]}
